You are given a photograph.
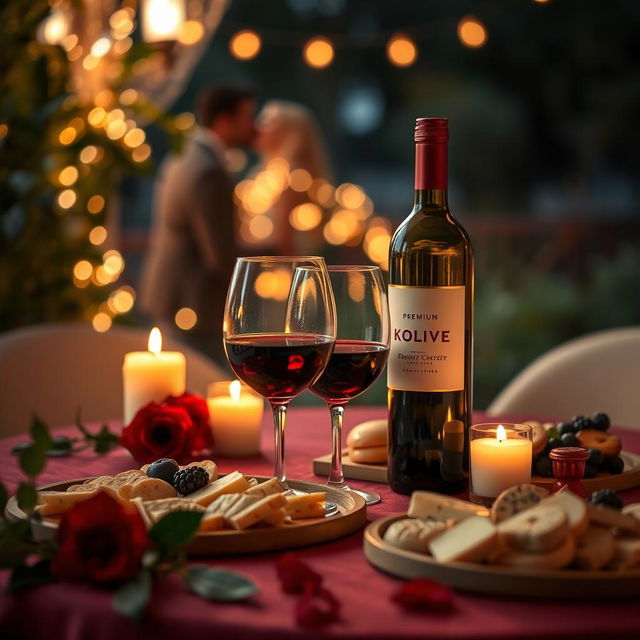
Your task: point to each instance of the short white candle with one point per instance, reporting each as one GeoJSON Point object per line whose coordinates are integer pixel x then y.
{"type": "Point", "coordinates": [235, 416]}
{"type": "Point", "coordinates": [499, 463]}
{"type": "Point", "coordinates": [151, 376]}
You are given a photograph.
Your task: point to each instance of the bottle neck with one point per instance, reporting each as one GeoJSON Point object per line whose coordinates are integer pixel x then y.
{"type": "Point", "coordinates": [431, 175]}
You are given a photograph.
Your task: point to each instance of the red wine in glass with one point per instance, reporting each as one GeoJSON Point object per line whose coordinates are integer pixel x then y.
{"type": "Point", "coordinates": [353, 367]}
{"type": "Point", "coordinates": [278, 366]}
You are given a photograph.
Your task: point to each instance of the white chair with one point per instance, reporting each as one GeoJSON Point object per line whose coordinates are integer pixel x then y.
{"type": "Point", "coordinates": [52, 369]}
{"type": "Point", "coordinates": [596, 372]}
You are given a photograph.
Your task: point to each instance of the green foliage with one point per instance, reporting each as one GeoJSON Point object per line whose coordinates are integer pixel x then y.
{"type": "Point", "coordinates": [132, 598]}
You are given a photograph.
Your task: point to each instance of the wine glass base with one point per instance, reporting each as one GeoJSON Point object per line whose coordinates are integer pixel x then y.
{"type": "Point", "coordinates": [369, 497]}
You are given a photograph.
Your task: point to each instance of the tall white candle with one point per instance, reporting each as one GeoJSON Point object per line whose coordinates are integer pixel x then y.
{"type": "Point", "coordinates": [151, 376]}
{"type": "Point", "coordinates": [499, 463]}
{"type": "Point", "coordinates": [235, 416]}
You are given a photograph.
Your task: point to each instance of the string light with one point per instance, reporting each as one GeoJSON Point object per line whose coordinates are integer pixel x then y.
{"type": "Point", "coordinates": [67, 135]}
{"type": "Point", "coordinates": [68, 176]}
{"type": "Point", "coordinates": [121, 300]}
{"type": "Point", "coordinates": [305, 216]}
{"type": "Point", "coordinates": [402, 51]}
{"type": "Point", "coordinates": [300, 180]}
{"type": "Point", "coordinates": [101, 322]}
{"type": "Point", "coordinates": [141, 153]}
{"type": "Point", "coordinates": [100, 47]}
{"type": "Point", "coordinates": [245, 45]}
{"type": "Point", "coordinates": [261, 227]}
{"type": "Point", "coordinates": [95, 204]}
{"type": "Point", "coordinates": [318, 52]}
{"type": "Point", "coordinates": [82, 270]}
{"type": "Point", "coordinates": [472, 32]}
{"type": "Point", "coordinates": [67, 198]}
{"type": "Point", "coordinates": [134, 138]}
{"type": "Point", "coordinates": [97, 235]}
{"type": "Point", "coordinates": [191, 32]}
{"type": "Point", "coordinates": [128, 97]}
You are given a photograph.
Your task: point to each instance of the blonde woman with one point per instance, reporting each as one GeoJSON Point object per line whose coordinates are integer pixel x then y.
{"type": "Point", "coordinates": [288, 130]}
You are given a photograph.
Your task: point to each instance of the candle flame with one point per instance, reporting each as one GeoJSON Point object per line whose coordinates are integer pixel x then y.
{"type": "Point", "coordinates": [501, 433]}
{"type": "Point", "coordinates": [155, 341]}
{"type": "Point", "coordinates": [234, 390]}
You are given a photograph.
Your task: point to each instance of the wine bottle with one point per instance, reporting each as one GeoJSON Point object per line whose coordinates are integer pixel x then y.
{"type": "Point", "coordinates": [431, 309]}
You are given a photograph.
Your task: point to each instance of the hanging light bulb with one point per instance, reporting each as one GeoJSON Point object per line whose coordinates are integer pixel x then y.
{"type": "Point", "coordinates": [162, 20]}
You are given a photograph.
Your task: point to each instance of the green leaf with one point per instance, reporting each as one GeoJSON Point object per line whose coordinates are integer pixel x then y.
{"type": "Point", "coordinates": [218, 584]}
{"type": "Point", "coordinates": [40, 433]}
{"type": "Point", "coordinates": [105, 440]}
{"type": "Point", "coordinates": [131, 599]}
{"type": "Point", "coordinates": [175, 529]}
{"type": "Point", "coordinates": [27, 496]}
{"type": "Point", "coordinates": [32, 460]}
{"type": "Point", "coordinates": [79, 424]}
{"type": "Point", "coordinates": [4, 497]}
{"type": "Point", "coordinates": [24, 577]}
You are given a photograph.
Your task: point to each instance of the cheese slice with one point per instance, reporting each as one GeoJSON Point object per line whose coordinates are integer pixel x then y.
{"type": "Point", "coordinates": [265, 510]}
{"type": "Point", "coordinates": [233, 482]}
{"type": "Point", "coordinates": [211, 522]}
{"type": "Point", "coordinates": [52, 502]}
{"type": "Point", "coordinates": [310, 505]}
{"type": "Point", "coordinates": [471, 540]}
{"type": "Point", "coordinates": [266, 488]}
{"type": "Point", "coordinates": [425, 504]}
{"type": "Point", "coordinates": [154, 510]}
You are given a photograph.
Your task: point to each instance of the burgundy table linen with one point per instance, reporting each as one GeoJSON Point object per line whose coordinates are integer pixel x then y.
{"type": "Point", "coordinates": [78, 612]}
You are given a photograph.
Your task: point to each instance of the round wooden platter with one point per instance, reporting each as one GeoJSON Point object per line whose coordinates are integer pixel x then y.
{"type": "Point", "coordinates": [628, 479]}
{"type": "Point", "coordinates": [562, 584]}
{"type": "Point", "coordinates": [351, 516]}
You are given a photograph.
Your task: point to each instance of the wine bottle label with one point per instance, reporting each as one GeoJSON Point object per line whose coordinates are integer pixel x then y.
{"type": "Point", "coordinates": [427, 338]}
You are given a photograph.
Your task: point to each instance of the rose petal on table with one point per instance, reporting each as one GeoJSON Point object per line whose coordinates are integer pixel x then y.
{"type": "Point", "coordinates": [294, 575]}
{"type": "Point", "coordinates": [424, 594]}
{"type": "Point", "coordinates": [316, 607]}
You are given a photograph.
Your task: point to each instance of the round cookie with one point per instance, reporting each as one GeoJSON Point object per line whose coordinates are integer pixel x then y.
{"type": "Point", "coordinates": [516, 499]}
{"type": "Point", "coordinates": [555, 559]}
{"type": "Point", "coordinates": [610, 445]}
{"type": "Point", "coordinates": [537, 530]}
{"type": "Point", "coordinates": [540, 436]}
{"type": "Point", "coordinates": [412, 534]}
{"type": "Point", "coordinates": [595, 548]}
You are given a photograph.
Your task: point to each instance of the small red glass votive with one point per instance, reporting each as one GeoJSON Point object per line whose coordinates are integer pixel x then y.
{"type": "Point", "coordinates": [568, 469]}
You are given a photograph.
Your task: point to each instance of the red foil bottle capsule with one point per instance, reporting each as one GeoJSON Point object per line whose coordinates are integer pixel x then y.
{"type": "Point", "coordinates": [568, 469]}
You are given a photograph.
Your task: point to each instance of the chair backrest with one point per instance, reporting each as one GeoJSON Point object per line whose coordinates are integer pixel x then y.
{"type": "Point", "coordinates": [596, 372]}
{"type": "Point", "coordinates": [52, 369]}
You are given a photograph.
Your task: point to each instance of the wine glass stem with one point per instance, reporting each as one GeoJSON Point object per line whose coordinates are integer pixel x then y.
{"type": "Point", "coordinates": [335, 475]}
{"type": "Point", "coordinates": [279, 415]}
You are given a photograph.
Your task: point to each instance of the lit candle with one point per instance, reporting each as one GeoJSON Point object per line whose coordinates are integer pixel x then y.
{"type": "Point", "coordinates": [499, 462]}
{"type": "Point", "coordinates": [151, 376]}
{"type": "Point", "coordinates": [235, 416]}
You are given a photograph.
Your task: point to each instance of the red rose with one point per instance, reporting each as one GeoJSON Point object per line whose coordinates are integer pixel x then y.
{"type": "Point", "coordinates": [295, 576]}
{"type": "Point", "coordinates": [424, 594]}
{"type": "Point", "coordinates": [159, 431]}
{"type": "Point", "coordinates": [197, 408]}
{"type": "Point", "coordinates": [101, 541]}
{"type": "Point", "coordinates": [316, 608]}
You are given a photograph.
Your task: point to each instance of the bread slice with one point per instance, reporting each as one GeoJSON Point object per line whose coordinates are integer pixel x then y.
{"type": "Point", "coordinates": [471, 540]}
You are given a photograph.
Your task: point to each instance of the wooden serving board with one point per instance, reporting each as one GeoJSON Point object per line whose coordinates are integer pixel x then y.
{"type": "Point", "coordinates": [628, 479]}
{"type": "Point", "coordinates": [561, 584]}
{"type": "Point", "coordinates": [351, 516]}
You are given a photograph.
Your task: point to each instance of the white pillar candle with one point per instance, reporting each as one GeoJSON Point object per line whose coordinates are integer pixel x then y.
{"type": "Point", "coordinates": [499, 463]}
{"type": "Point", "coordinates": [235, 416]}
{"type": "Point", "coordinates": [151, 376]}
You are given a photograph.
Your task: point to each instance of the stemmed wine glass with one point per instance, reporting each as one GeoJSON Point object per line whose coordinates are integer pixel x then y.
{"type": "Point", "coordinates": [279, 331]}
{"type": "Point", "coordinates": [360, 353]}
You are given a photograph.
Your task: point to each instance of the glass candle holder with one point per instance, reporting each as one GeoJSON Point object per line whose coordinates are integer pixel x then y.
{"type": "Point", "coordinates": [501, 455]}
{"type": "Point", "coordinates": [235, 416]}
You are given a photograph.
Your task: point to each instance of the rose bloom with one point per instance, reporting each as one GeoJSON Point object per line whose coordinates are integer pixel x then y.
{"type": "Point", "coordinates": [160, 431]}
{"type": "Point", "coordinates": [101, 541]}
{"type": "Point", "coordinates": [198, 410]}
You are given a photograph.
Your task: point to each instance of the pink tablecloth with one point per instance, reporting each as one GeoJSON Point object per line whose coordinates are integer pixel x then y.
{"type": "Point", "coordinates": [77, 612]}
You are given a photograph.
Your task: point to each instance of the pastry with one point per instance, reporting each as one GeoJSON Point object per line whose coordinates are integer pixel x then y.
{"type": "Point", "coordinates": [367, 442]}
{"type": "Point", "coordinates": [537, 530]}
{"type": "Point", "coordinates": [516, 499]}
{"type": "Point", "coordinates": [595, 548]}
{"type": "Point", "coordinates": [471, 540]}
{"type": "Point", "coordinates": [540, 436]}
{"type": "Point", "coordinates": [557, 558]}
{"type": "Point", "coordinates": [412, 534]}
{"type": "Point", "coordinates": [609, 444]}
{"type": "Point", "coordinates": [425, 504]}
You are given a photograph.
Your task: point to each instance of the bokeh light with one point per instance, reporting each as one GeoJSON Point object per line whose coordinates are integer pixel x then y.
{"type": "Point", "coordinates": [97, 235]}
{"type": "Point", "coordinates": [101, 322]}
{"type": "Point", "coordinates": [122, 300]}
{"type": "Point", "coordinates": [67, 198]}
{"type": "Point", "coordinates": [245, 45]}
{"type": "Point", "coordinates": [300, 180]}
{"type": "Point", "coordinates": [318, 52]}
{"type": "Point", "coordinates": [186, 318]}
{"type": "Point", "coordinates": [141, 153]}
{"type": "Point", "coordinates": [68, 176]}
{"type": "Point", "coordinates": [191, 32]}
{"type": "Point", "coordinates": [82, 270]}
{"type": "Point", "coordinates": [261, 227]}
{"type": "Point", "coordinates": [472, 32]}
{"type": "Point", "coordinates": [67, 135]}
{"type": "Point", "coordinates": [402, 51]}
{"type": "Point", "coordinates": [95, 204]}
{"type": "Point", "coordinates": [134, 138]}
{"type": "Point", "coordinates": [305, 216]}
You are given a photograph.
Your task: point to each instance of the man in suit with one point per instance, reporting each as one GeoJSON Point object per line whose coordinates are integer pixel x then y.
{"type": "Point", "coordinates": [193, 247]}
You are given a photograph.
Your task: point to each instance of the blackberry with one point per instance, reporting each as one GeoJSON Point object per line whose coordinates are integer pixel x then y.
{"type": "Point", "coordinates": [600, 421]}
{"type": "Point", "coordinates": [163, 469]}
{"type": "Point", "coordinates": [580, 423]}
{"type": "Point", "coordinates": [190, 479]}
{"type": "Point", "coordinates": [606, 498]}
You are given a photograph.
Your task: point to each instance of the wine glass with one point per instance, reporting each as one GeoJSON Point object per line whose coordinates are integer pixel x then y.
{"type": "Point", "coordinates": [279, 331]}
{"type": "Point", "coordinates": [359, 355]}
